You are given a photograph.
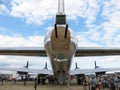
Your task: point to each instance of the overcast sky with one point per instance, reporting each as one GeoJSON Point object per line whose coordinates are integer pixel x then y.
{"type": "Point", "coordinates": [96, 23]}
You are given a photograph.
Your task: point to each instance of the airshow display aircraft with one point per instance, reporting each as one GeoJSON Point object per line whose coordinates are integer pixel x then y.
{"type": "Point", "coordinates": [60, 45]}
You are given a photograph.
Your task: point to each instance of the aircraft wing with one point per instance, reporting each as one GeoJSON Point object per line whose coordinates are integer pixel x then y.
{"type": "Point", "coordinates": [97, 51]}
{"type": "Point", "coordinates": [83, 71]}
{"type": "Point", "coordinates": [23, 51]}
{"type": "Point", "coordinates": [40, 51]}
{"type": "Point", "coordinates": [39, 71]}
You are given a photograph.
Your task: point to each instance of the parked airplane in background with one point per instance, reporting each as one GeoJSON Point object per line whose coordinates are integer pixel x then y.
{"type": "Point", "coordinates": [60, 45]}
{"type": "Point", "coordinates": [26, 70]}
{"type": "Point", "coordinates": [96, 70]}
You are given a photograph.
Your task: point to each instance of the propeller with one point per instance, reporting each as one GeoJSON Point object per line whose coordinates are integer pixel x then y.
{"type": "Point", "coordinates": [27, 65]}
{"type": "Point", "coordinates": [76, 66]}
{"type": "Point", "coordinates": [46, 66]}
{"type": "Point", "coordinates": [96, 65]}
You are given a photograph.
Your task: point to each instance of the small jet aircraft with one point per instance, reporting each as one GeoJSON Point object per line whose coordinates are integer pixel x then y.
{"type": "Point", "coordinates": [60, 45]}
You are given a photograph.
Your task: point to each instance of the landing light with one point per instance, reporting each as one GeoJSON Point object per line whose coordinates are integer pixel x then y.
{"type": "Point", "coordinates": [60, 60]}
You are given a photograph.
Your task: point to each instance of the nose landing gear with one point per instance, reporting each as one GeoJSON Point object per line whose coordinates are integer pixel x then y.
{"type": "Point", "coordinates": [61, 77]}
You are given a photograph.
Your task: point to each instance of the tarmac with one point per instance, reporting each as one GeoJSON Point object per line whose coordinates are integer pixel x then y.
{"type": "Point", "coordinates": [30, 86]}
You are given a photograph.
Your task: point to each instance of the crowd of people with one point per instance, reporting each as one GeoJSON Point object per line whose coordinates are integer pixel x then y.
{"type": "Point", "coordinates": [109, 82]}
{"type": "Point", "coordinates": [101, 83]}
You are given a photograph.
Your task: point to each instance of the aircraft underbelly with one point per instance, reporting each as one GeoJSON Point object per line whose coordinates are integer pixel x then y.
{"type": "Point", "coordinates": [61, 60]}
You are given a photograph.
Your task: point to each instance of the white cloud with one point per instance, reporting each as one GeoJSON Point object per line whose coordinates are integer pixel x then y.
{"type": "Point", "coordinates": [2, 29]}
{"type": "Point", "coordinates": [34, 11]}
{"type": "Point", "coordinates": [84, 42]}
{"type": "Point", "coordinates": [13, 41]}
{"type": "Point", "coordinates": [38, 11]}
{"type": "Point", "coordinates": [20, 61]}
{"type": "Point", "coordinates": [91, 12]}
{"type": "Point", "coordinates": [111, 26]}
{"type": "Point", "coordinates": [103, 61]}
{"type": "Point", "coordinates": [3, 9]}
{"type": "Point", "coordinates": [107, 32]}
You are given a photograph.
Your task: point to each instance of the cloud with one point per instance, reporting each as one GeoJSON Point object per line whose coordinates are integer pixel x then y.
{"type": "Point", "coordinates": [34, 11]}
{"type": "Point", "coordinates": [20, 61]}
{"type": "Point", "coordinates": [101, 17]}
{"type": "Point", "coordinates": [102, 20]}
{"type": "Point", "coordinates": [103, 61]}
{"type": "Point", "coordinates": [3, 9]}
{"type": "Point", "coordinates": [112, 26]}
{"type": "Point", "coordinates": [2, 29]}
{"type": "Point", "coordinates": [13, 41]}
{"type": "Point", "coordinates": [39, 11]}
{"type": "Point", "coordinates": [83, 41]}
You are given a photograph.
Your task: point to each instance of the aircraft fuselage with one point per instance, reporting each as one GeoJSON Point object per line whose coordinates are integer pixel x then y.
{"type": "Point", "coordinates": [61, 51]}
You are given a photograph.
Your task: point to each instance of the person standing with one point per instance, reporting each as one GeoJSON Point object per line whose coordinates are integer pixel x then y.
{"type": "Point", "coordinates": [99, 84]}
{"type": "Point", "coordinates": [116, 82]}
{"type": "Point", "coordinates": [112, 85]}
{"type": "Point", "coordinates": [93, 84]}
{"type": "Point", "coordinates": [84, 83]}
{"type": "Point", "coordinates": [89, 82]}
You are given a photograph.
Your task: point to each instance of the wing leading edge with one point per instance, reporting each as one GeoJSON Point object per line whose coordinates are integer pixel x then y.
{"type": "Point", "coordinates": [23, 51]}
{"type": "Point", "coordinates": [97, 51]}
{"type": "Point", "coordinates": [40, 51]}
{"type": "Point", "coordinates": [39, 71]}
